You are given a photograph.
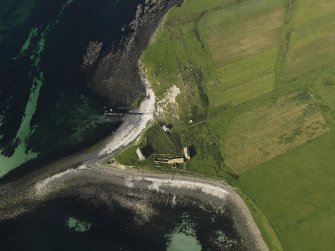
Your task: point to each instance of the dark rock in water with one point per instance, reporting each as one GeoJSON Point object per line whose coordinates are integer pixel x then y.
{"type": "Point", "coordinates": [92, 53]}
{"type": "Point", "coordinates": [116, 77]}
{"type": "Point", "coordinates": [79, 51]}
{"type": "Point", "coordinates": [116, 218]}
{"type": "Point", "coordinates": [137, 209]}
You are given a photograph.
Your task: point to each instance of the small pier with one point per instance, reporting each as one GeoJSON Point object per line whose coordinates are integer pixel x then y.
{"type": "Point", "coordinates": [123, 112]}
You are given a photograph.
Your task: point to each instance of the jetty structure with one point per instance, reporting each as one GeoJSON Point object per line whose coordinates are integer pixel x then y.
{"type": "Point", "coordinates": [124, 112]}
{"type": "Point", "coordinates": [140, 154]}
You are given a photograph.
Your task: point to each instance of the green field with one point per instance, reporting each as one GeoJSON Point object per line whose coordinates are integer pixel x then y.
{"type": "Point", "coordinates": [295, 191]}
{"type": "Point", "coordinates": [257, 102]}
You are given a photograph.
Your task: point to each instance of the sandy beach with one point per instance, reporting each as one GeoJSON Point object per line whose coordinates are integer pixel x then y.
{"type": "Point", "coordinates": [71, 175]}
{"type": "Point", "coordinates": [76, 171]}
{"type": "Point", "coordinates": [132, 125]}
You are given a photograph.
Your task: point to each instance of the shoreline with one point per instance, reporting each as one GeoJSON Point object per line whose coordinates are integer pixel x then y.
{"type": "Point", "coordinates": [57, 183]}
{"type": "Point", "coordinates": [133, 125]}
{"type": "Point", "coordinates": [63, 175]}
{"type": "Point", "coordinates": [216, 193]}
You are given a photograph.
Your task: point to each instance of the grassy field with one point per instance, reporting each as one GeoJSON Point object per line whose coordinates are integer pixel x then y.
{"type": "Point", "coordinates": [271, 130]}
{"type": "Point", "coordinates": [256, 100]}
{"type": "Point", "coordinates": [296, 194]}
{"type": "Point", "coordinates": [254, 29]}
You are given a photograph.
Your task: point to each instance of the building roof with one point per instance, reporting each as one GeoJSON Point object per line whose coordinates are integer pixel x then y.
{"type": "Point", "coordinates": [187, 152]}
{"type": "Point", "coordinates": [140, 154]}
{"type": "Point", "coordinates": [165, 128]}
{"type": "Point", "coordinates": [179, 160]}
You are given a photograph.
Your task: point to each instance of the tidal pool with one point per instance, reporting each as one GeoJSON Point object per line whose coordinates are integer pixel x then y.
{"type": "Point", "coordinates": [183, 242]}
{"type": "Point", "coordinates": [71, 224]}
{"type": "Point", "coordinates": [77, 225]}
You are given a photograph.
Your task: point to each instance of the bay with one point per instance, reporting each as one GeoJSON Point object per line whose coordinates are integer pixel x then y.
{"type": "Point", "coordinates": [46, 107]}
{"type": "Point", "coordinates": [71, 224]}
{"type": "Point", "coordinates": [48, 111]}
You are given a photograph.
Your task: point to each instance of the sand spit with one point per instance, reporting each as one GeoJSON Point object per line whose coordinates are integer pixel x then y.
{"type": "Point", "coordinates": [83, 168]}
{"type": "Point", "coordinates": [76, 176]}
{"type": "Point", "coordinates": [132, 125]}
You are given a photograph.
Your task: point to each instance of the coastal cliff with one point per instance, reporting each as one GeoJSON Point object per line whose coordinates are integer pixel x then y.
{"type": "Point", "coordinates": [115, 75]}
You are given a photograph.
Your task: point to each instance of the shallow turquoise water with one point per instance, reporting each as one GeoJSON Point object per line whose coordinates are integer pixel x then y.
{"type": "Point", "coordinates": [46, 111]}
{"type": "Point", "coordinates": [46, 107]}
{"type": "Point", "coordinates": [183, 242]}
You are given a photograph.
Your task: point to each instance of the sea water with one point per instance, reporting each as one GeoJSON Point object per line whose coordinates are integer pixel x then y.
{"type": "Point", "coordinates": [71, 224]}
{"type": "Point", "coordinates": [46, 107]}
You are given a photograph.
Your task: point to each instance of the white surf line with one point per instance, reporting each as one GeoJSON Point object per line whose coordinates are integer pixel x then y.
{"type": "Point", "coordinates": [159, 184]}
{"type": "Point", "coordinates": [43, 187]}
{"type": "Point", "coordinates": [133, 125]}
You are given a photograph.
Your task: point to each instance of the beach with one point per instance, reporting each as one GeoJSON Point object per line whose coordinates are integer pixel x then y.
{"type": "Point", "coordinates": [84, 174]}
{"type": "Point", "coordinates": [216, 193]}
{"type": "Point", "coordinates": [87, 168]}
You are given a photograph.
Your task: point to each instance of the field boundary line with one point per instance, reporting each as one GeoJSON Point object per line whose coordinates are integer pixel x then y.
{"type": "Point", "coordinates": [192, 18]}
{"type": "Point", "coordinates": [285, 41]}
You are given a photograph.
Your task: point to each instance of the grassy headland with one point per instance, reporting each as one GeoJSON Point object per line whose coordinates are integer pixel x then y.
{"type": "Point", "coordinates": [257, 87]}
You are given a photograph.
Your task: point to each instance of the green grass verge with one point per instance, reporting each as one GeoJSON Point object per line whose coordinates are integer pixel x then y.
{"type": "Point", "coordinates": [267, 65]}
{"type": "Point", "coordinates": [295, 192]}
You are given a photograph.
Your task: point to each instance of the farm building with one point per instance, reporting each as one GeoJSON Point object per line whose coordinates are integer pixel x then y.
{"type": "Point", "coordinates": [164, 159]}
{"type": "Point", "coordinates": [140, 155]}
{"type": "Point", "coordinates": [187, 154]}
{"type": "Point", "coordinates": [177, 160]}
{"type": "Point", "coordinates": [165, 128]}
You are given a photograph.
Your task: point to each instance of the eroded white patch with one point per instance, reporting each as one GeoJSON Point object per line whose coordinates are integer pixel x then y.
{"type": "Point", "coordinates": [168, 102]}
{"type": "Point", "coordinates": [129, 182]}
{"type": "Point", "coordinates": [44, 187]}
{"type": "Point", "coordinates": [174, 200]}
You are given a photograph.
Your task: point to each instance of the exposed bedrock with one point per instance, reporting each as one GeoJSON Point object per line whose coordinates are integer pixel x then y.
{"type": "Point", "coordinates": [116, 77]}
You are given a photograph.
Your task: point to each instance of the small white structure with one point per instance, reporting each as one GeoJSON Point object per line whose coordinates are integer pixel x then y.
{"type": "Point", "coordinates": [140, 154]}
{"type": "Point", "coordinates": [165, 128]}
{"type": "Point", "coordinates": [187, 154]}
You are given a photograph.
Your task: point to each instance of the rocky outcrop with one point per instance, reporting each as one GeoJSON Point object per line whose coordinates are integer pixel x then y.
{"type": "Point", "coordinates": [91, 56]}
{"type": "Point", "coordinates": [116, 77]}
